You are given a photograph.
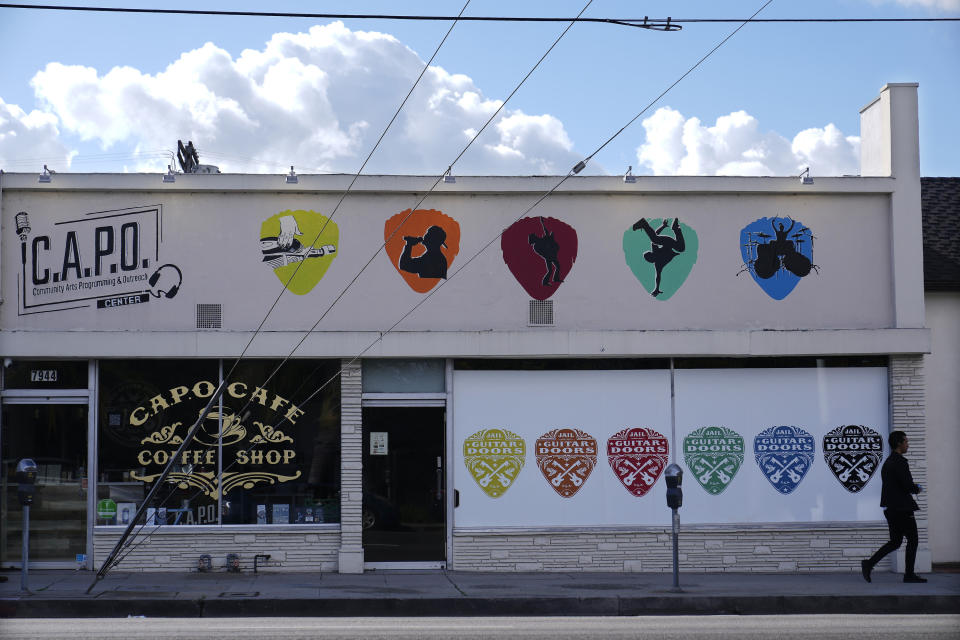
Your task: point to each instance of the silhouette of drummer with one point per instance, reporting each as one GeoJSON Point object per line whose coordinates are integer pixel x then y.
{"type": "Point", "coordinates": [781, 252]}
{"type": "Point", "coordinates": [430, 264]}
{"type": "Point", "coordinates": [663, 248]}
{"type": "Point", "coordinates": [546, 247]}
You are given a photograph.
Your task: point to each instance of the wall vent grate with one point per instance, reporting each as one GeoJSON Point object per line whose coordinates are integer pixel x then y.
{"type": "Point", "coordinates": [541, 313]}
{"type": "Point", "coordinates": [209, 316]}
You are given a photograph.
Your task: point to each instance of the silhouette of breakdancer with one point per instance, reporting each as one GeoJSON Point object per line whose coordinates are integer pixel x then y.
{"type": "Point", "coordinates": [663, 248]}
{"type": "Point", "coordinates": [546, 247]}
{"type": "Point", "coordinates": [430, 264]}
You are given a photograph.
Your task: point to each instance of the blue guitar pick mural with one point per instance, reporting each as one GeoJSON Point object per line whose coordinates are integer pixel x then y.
{"type": "Point", "coordinates": [777, 252]}
{"type": "Point", "coordinates": [785, 455]}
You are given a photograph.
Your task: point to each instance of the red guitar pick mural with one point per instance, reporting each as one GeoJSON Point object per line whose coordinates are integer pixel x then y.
{"type": "Point", "coordinates": [539, 253]}
{"type": "Point", "coordinates": [422, 246]}
{"type": "Point", "coordinates": [638, 456]}
{"type": "Point", "coordinates": [566, 458]}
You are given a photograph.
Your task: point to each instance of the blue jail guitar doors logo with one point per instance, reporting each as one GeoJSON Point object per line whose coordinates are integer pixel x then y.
{"type": "Point", "coordinates": [784, 455]}
{"type": "Point", "coordinates": [777, 252]}
{"type": "Point", "coordinates": [853, 454]}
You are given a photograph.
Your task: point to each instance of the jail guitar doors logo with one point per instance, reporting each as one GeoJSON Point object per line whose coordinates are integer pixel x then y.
{"type": "Point", "coordinates": [494, 458]}
{"type": "Point", "coordinates": [777, 252]}
{"type": "Point", "coordinates": [540, 253]}
{"type": "Point", "coordinates": [853, 453]}
{"type": "Point", "coordinates": [785, 455]}
{"type": "Point", "coordinates": [713, 455]}
{"type": "Point", "coordinates": [299, 246]}
{"type": "Point", "coordinates": [638, 456]}
{"type": "Point", "coordinates": [566, 458]}
{"type": "Point", "coordinates": [422, 246]}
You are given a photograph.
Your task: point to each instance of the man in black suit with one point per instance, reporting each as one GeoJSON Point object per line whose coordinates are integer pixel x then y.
{"type": "Point", "coordinates": [895, 496]}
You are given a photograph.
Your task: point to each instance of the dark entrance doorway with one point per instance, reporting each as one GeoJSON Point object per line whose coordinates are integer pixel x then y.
{"type": "Point", "coordinates": [404, 490]}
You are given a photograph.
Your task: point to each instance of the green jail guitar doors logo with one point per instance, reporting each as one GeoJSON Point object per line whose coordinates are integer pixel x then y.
{"type": "Point", "coordinates": [299, 246]}
{"type": "Point", "coordinates": [713, 455]}
{"type": "Point", "coordinates": [494, 458]}
{"type": "Point", "coordinates": [661, 253]}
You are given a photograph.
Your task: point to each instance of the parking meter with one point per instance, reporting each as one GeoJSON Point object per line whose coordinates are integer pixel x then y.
{"type": "Point", "coordinates": [26, 481]}
{"type": "Point", "coordinates": [674, 476]}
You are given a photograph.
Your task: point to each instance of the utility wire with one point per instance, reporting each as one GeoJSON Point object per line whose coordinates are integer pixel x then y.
{"type": "Point", "coordinates": [657, 24]}
{"type": "Point", "coordinates": [575, 170]}
{"type": "Point", "coordinates": [114, 557]}
{"type": "Point", "coordinates": [357, 276]}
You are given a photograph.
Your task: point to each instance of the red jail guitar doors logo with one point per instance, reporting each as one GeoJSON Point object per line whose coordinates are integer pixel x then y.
{"type": "Point", "coordinates": [638, 456]}
{"type": "Point", "coordinates": [566, 458]}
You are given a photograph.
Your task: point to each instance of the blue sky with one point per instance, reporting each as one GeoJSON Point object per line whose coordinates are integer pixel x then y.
{"type": "Point", "coordinates": [319, 100]}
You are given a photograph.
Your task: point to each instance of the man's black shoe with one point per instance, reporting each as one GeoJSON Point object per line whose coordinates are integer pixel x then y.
{"type": "Point", "coordinates": [913, 578]}
{"type": "Point", "coordinates": [865, 569]}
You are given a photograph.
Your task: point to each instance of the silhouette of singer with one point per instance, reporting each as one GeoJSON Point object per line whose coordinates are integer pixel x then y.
{"type": "Point", "coordinates": [430, 264]}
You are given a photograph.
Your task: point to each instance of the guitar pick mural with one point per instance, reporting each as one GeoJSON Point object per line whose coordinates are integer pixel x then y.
{"type": "Point", "coordinates": [785, 455]}
{"type": "Point", "coordinates": [714, 455]}
{"type": "Point", "coordinates": [853, 454]}
{"type": "Point", "coordinates": [637, 456]}
{"type": "Point", "coordinates": [290, 238]}
{"type": "Point", "coordinates": [566, 458]}
{"type": "Point", "coordinates": [776, 255]}
{"type": "Point", "coordinates": [540, 253]}
{"type": "Point", "coordinates": [494, 458]}
{"type": "Point", "coordinates": [661, 254]}
{"type": "Point", "coordinates": [421, 246]}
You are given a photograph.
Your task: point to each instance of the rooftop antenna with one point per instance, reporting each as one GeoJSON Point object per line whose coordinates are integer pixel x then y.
{"type": "Point", "coordinates": [189, 159]}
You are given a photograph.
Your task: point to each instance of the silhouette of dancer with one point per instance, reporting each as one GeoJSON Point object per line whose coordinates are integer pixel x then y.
{"type": "Point", "coordinates": [663, 248]}
{"type": "Point", "coordinates": [546, 247]}
{"type": "Point", "coordinates": [430, 264]}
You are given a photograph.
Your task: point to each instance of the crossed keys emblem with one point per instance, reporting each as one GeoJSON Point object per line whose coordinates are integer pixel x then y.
{"type": "Point", "coordinates": [566, 471]}
{"type": "Point", "coordinates": [639, 470]}
{"type": "Point", "coordinates": [849, 467]}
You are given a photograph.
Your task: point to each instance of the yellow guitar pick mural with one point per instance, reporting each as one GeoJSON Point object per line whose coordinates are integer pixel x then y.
{"type": "Point", "coordinates": [494, 457]}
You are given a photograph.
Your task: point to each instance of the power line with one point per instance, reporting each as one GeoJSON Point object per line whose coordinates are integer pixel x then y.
{"type": "Point", "coordinates": [656, 24]}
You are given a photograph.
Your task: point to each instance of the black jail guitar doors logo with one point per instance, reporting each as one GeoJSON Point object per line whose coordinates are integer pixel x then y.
{"type": "Point", "coordinates": [853, 453]}
{"type": "Point", "coordinates": [101, 260]}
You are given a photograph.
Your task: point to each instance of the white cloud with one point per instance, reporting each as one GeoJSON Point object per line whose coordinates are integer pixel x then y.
{"type": "Point", "coordinates": [317, 100]}
{"type": "Point", "coordinates": [942, 5]}
{"type": "Point", "coordinates": [29, 140]}
{"type": "Point", "coordinates": [735, 145]}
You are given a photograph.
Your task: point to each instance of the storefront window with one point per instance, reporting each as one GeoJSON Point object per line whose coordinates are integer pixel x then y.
{"type": "Point", "coordinates": [267, 453]}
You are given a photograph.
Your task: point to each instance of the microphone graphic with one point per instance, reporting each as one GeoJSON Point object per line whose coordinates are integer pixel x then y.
{"type": "Point", "coordinates": [23, 229]}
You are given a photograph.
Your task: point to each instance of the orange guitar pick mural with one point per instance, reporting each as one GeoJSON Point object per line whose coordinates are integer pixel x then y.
{"type": "Point", "coordinates": [566, 458]}
{"type": "Point", "coordinates": [421, 246]}
{"type": "Point", "coordinates": [494, 457]}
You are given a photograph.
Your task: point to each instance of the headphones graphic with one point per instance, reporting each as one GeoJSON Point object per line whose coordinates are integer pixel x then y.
{"type": "Point", "coordinates": [170, 291]}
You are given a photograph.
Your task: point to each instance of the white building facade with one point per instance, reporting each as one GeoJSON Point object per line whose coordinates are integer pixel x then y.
{"type": "Point", "coordinates": [462, 381]}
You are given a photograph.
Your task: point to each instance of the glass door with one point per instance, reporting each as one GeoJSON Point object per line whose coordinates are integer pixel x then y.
{"type": "Point", "coordinates": [55, 437]}
{"type": "Point", "coordinates": [404, 491]}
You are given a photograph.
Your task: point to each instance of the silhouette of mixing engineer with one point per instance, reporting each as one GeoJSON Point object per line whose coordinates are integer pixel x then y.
{"type": "Point", "coordinates": [430, 264]}
{"type": "Point", "coordinates": [546, 247]}
{"type": "Point", "coordinates": [663, 248]}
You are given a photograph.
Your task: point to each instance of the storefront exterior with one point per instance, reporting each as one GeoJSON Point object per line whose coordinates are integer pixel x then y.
{"type": "Point", "coordinates": [494, 391]}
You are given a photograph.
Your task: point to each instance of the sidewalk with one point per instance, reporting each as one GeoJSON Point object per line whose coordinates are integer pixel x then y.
{"type": "Point", "coordinates": [451, 593]}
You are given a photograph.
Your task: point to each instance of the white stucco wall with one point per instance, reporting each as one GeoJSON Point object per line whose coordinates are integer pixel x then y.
{"type": "Point", "coordinates": [942, 367]}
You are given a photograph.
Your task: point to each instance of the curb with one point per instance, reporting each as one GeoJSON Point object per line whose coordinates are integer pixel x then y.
{"type": "Point", "coordinates": [679, 604]}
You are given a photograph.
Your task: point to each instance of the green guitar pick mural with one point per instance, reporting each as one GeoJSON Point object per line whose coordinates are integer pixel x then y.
{"type": "Point", "coordinates": [713, 455]}
{"type": "Point", "coordinates": [661, 253]}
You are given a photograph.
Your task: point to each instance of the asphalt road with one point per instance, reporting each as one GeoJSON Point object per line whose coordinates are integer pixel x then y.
{"type": "Point", "coordinates": [785, 627]}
